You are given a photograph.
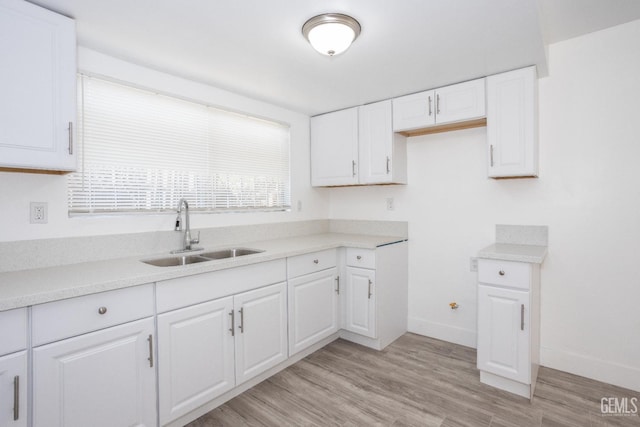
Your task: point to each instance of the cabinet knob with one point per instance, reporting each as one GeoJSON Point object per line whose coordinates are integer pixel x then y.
{"type": "Point", "coordinates": [359, 257]}
{"type": "Point", "coordinates": [501, 272]}
{"type": "Point", "coordinates": [102, 310]}
{"type": "Point", "coordinates": [315, 261]}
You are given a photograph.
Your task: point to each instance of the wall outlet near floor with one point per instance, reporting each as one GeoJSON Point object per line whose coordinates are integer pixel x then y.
{"type": "Point", "coordinates": [38, 213]}
{"type": "Point", "coordinates": [473, 264]}
{"type": "Point", "coordinates": [390, 204]}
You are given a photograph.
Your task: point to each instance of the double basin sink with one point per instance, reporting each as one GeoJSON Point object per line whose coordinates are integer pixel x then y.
{"type": "Point", "coordinates": [173, 261]}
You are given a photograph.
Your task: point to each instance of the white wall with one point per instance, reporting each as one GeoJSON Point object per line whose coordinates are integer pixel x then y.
{"type": "Point", "coordinates": [17, 190]}
{"type": "Point", "coordinates": [588, 194]}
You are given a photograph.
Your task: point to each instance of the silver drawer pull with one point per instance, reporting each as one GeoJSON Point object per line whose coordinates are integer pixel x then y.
{"type": "Point", "coordinates": [232, 329]}
{"type": "Point", "coordinates": [358, 257]}
{"type": "Point", "coordinates": [501, 272]}
{"type": "Point", "coordinates": [369, 292]}
{"type": "Point", "coordinates": [150, 358]}
{"type": "Point", "coordinates": [315, 261]}
{"type": "Point", "coordinates": [522, 317]}
{"type": "Point", "coordinates": [102, 310]}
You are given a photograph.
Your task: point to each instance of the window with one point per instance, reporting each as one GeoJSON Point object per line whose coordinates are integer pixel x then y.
{"type": "Point", "coordinates": [141, 152]}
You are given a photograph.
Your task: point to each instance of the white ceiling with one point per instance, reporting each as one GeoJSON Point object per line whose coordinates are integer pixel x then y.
{"type": "Point", "coordinates": [255, 47]}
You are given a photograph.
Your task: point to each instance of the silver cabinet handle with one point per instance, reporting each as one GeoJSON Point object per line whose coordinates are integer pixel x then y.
{"type": "Point", "coordinates": [522, 317]}
{"type": "Point", "coordinates": [388, 160]}
{"type": "Point", "coordinates": [315, 261]}
{"type": "Point", "coordinates": [232, 329]}
{"type": "Point", "coordinates": [501, 272]}
{"type": "Point", "coordinates": [491, 155]}
{"type": "Point", "coordinates": [370, 283]}
{"type": "Point", "coordinates": [353, 167]}
{"type": "Point", "coordinates": [70, 137]}
{"type": "Point", "coordinates": [150, 358]}
{"type": "Point", "coordinates": [338, 285]}
{"type": "Point", "coordinates": [430, 112]}
{"type": "Point", "coordinates": [358, 257]}
{"type": "Point", "coordinates": [241, 326]}
{"type": "Point", "coordinates": [102, 310]}
{"type": "Point", "coordinates": [438, 104]}
{"type": "Point", "coordinates": [16, 398]}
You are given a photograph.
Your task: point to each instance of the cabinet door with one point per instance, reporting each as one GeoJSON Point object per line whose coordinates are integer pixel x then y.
{"type": "Point", "coordinates": [360, 301]}
{"type": "Point", "coordinates": [512, 124]}
{"type": "Point", "coordinates": [414, 111]}
{"type": "Point", "coordinates": [261, 330]}
{"type": "Point", "coordinates": [376, 144]}
{"type": "Point", "coordinates": [334, 148]}
{"type": "Point", "coordinates": [37, 83]}
{"type": "Point", "coordinates": [313, 308]}
{"type": "Point", "coordinates": [13, 390]}
{"type": "Point", "coordinates": [460, 102]}
{"type": "Point", "coordinates": [195, 356]}
{"type": "Point", "coordinates": [101, 379]}
{"type": "Point", "coordinates": [503, 332]}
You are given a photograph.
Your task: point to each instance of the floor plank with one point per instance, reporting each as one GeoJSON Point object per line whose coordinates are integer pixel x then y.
{"type": "Point", "coordinates": [416, 381]}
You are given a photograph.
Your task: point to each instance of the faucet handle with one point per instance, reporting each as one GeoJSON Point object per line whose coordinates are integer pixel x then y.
{"type": "Point", "coordinates": [197, 239]}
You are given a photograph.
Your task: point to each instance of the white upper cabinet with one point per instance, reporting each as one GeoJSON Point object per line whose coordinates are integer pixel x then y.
{"type": "Point", "coordinates": [38, 87]}
{"type": "Point", "coordinates": [450, 104]}
{"type": "Point", "coordinates": [382, 154]}
{"type": "Point", "coordinates": [512, 124]}
{"type": "Point", "coordinates": [334, 148]}
{"type": "Point", "coordinates": [357, 146]}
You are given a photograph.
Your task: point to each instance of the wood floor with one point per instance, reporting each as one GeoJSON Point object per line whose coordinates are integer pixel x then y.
{"type": "Point", "coordinates": [416, 381]}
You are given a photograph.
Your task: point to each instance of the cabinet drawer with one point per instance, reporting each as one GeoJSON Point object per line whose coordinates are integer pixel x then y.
{"type": "Point", "coordinates": [13, 333]}
{"type": "Point", "coordinates": [66, 318]}
{"type": "Point", "coordinates": [364, 258]}
{"type": "Point", "coordinates": [504, 273]}
{"type": "Point", "coordinates": [310, 263]}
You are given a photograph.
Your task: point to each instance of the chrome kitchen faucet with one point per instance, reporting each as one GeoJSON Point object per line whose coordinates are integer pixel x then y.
{"type": "Point", "coordinates": [187, 240]}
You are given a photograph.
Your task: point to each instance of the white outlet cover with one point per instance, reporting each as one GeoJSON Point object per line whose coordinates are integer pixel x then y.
{"type": "Point", "coordinates": [38, 213]}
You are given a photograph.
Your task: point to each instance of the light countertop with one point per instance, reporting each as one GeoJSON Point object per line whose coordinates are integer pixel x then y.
{"type": "Point", "coordinates": [29, 287]}
{"type": "Point", "coordinates": [512, 252]}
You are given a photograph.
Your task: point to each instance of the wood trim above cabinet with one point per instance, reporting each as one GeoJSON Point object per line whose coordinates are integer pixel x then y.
{"type": "Point", "coordinates": [446, 127]}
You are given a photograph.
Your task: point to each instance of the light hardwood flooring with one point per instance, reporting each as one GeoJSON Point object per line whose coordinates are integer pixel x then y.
{"type": "Point", "coordinates": [416, 381]}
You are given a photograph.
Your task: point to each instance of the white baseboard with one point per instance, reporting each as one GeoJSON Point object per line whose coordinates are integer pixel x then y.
{"type": "Point", "coordinates": [443, 332]}
{"type": "Point", "coordinates": [590, 367]}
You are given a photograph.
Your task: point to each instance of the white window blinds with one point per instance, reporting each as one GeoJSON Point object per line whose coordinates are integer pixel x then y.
{"type": "Point", "coordinates": [141, 152]}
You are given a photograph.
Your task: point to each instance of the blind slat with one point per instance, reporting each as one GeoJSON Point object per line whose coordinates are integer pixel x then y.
{"type": "Point", "coordinates": [140, 151]}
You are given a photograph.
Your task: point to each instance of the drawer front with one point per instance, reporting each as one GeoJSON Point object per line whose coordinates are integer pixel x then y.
{"type": "Point", "coordinates": [505, 273]}
{"type": "Point", "coordinates": [364, 258]}
{"type": "Point", "coordinates": [13, 333]}
{"type": "Point", "coordinates": [75, 316]}
{"type": "Point", "coordinates": [310, 263]}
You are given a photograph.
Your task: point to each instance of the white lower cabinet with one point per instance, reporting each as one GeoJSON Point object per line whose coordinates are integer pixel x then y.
{"type": "Point", "coordinates": [360, 301]}
{"type": "Point", "coordinates": [313, 308]}
{"type": "Point", "coordinates": [508, 325]}
{"type": "Point", "coordinates": [207, 349]}
{"type": "Point", "coordinates": [196, 356]}
{"type": "Point", "coordinates": [374, 301]}
{"type": "Point", "coordinates": [13, 390]}
{"type": "Point", "coordinates": [261, 330]}
{"type": "Point", "coordinates": [104, 378]}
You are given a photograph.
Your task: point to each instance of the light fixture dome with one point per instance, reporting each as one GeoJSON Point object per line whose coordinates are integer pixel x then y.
{"type": "Point", "coordinates": [331, 33]}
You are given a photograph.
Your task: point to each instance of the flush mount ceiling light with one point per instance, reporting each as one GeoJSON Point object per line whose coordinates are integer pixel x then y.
{"type": "Point", "coordinates": [331, 33]}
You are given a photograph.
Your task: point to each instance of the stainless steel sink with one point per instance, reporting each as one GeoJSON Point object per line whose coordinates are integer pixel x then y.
{"type": "Point", "coordinates": [230, 253]}
{"type": "Point", "coordinates": [176, 260]}
{"type": "Point", "coordinates": [203, 257]}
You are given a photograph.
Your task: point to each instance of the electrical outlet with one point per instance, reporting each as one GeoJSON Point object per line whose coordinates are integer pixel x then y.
{"type": "Point", "coordinates": [38, 213]}
{"type": "Point", "coordinates": [473, 264]}
{"type": "Point", "coordinates": [390, 205]}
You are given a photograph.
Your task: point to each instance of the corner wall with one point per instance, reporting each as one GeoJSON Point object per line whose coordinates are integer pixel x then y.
{"type": "Point", "coordinates": [588, 194]}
